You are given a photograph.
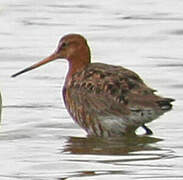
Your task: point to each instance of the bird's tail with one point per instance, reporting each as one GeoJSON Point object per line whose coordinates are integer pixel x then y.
{"type": "Point", "coordinates": [165, 103]}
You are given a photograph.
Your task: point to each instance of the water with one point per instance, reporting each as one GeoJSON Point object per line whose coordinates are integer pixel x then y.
{"type": "Point", "coordinates": [38, 139]}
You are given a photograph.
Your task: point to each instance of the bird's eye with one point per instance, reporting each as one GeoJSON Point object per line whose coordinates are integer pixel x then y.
{"type": "Point", "coordinates": [64, 45]}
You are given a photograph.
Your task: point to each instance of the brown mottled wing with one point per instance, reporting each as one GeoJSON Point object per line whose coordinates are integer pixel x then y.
{"type": "Point", "coordinates": [97, 104]}
{"type": "Point", "coordinates": [108, 89]}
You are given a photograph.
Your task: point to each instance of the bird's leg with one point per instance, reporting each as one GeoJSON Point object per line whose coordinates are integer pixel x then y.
{"type": "Point", "coordinates": [148, 131]}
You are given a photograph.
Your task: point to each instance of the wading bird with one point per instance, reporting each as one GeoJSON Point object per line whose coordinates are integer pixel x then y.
{"type": "Point", "coordinates": [105, 100]}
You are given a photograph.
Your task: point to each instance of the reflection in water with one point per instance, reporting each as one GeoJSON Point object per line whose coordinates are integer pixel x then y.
{"type": "Point", "coordinates": [121, 155]}
{"type": "Point", "coordinates": [110, 146]}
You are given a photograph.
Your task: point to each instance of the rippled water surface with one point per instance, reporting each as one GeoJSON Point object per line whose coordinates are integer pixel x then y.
{"type": "Point", "coordinates": [38, 139]}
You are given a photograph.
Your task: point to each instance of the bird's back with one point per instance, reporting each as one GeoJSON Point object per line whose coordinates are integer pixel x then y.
{"type": "Point", "coordinates": [102, 91]}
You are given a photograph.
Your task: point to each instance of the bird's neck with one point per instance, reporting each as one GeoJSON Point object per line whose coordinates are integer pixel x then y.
{"type": "Point", "coordinates": [78, 61]}
{"type": "Point", "coordinates": [74, 67]}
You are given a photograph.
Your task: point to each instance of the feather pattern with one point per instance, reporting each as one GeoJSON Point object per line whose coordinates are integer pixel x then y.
{"type": "Point", "coordinates": [113, 97]}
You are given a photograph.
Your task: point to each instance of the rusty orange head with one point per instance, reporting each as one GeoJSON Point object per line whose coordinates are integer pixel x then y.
{"type": "Point", "coordinates": [72, 47]}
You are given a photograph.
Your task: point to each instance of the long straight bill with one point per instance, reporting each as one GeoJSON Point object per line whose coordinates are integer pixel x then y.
{"type": "Point", "coordinates": [44, 61]}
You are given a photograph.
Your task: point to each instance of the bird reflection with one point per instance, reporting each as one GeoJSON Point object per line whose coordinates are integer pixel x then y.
{"type": "Point", "coordinates": [110, 146]}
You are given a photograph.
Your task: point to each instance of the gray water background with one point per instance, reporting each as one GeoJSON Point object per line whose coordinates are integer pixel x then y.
{"type": "Point", "coordinates": [38, 139]}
